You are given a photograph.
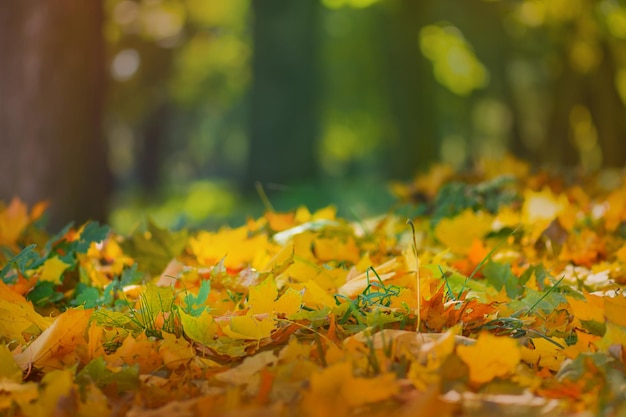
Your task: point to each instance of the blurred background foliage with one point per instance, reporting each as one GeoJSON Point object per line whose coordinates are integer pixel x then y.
{"type": "Point", "coordinates": [324, 101]}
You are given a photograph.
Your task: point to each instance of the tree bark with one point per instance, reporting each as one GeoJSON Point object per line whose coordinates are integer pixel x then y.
{"type": "Point", "coordinates": [51, 96]}
{"type": "Point", "coordinates": [411, 90]}
{"type": "Point", "coordinates": [608, 110]}
{"type": "Point", "coordinates": [283, 119]}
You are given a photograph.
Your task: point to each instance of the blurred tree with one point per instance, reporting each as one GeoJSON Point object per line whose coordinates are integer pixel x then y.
{"type": "Point", "coordinates": [576, 51]}
{"type": "Point", "coordinates": [411, 89]}
{"type": "Point", "coordinates": [52, 85]}
{"type": "Point", "coordinates": [283, 119]}
{"type": "Point", "coordinates": [181, 71]}
{"type": "Point", "coordinates": [355, 117]}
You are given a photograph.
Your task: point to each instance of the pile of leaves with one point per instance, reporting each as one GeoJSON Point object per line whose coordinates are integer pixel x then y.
{"type": "Point", "coordinates": [501, 294]}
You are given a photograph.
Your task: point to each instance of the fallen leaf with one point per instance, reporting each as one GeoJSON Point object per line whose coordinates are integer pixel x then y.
{"type": "Point", "coordinates": [458, 233]}
{"type": "Point", "coordinates": [57, 344]}
{"type": "Point", "coordinates": [490, 357]}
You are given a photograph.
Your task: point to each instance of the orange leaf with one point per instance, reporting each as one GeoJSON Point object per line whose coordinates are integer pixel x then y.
{"type": "Point", "coordinates": [57, 344]}
{"type": "Point", "coordinates": [18, 316]}
{"type": "Point", "coordinates": [337, 249]}
{"type": "Point", "coordinates": [591, 308]}
{"type": "Point", "coordinates": [335, 390]}
{"type": "Point", "coordinates": [615, 310]}
{"type": "Point", "coordinates": [13, 220]}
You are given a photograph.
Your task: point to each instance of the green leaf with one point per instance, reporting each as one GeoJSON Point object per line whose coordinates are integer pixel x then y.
{"type": "Point", "coordinates": [130, 276]}
{"type": "Point", "coordinates": [455, 197]}
{"type": "Point", "coordinates": [44, 293]}
{"type": "Point", "coordinates": [538, 300]}
{"type": "Point", "coordinates": [27, 259]}
{"type": "Point", "coordinates": [92, 232]}
{"type": "Point", "coordinates": [154, 248]}
{"type": "Point", "coordinates": [87, 296]}
{"type": "Point", "coordinates": [379, 318]}
{"type": "Point", "coordinates": [105, 317]}
{"type": "Point", "coordinates": [199, 328]}
{"type": "Point", "coordinates": [500, 275]}
{"type": "Point", "coordinates": [157, 299]}
{"type": "Point", "coordinates": [96, 371]}
{"type": "Point", "coordinates": [194, 305]}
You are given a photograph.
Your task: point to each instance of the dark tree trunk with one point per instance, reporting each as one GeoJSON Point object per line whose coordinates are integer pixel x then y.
{"type": "Point", "coordinates": [608, 110]}
{"type": "Point", "coordinates": [557, 149]}
{"type": "Point", "coordinates": [152, 144]}
{"type": "Point", "coordinates": [51, 95]}
{"type": "Point", "coordinates": [283, 119]}
{"type": "Point", "coordinates": [411, 89]}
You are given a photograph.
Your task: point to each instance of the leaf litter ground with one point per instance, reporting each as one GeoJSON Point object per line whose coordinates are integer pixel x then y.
{"type": "Point", "coordinates": [502, 294]}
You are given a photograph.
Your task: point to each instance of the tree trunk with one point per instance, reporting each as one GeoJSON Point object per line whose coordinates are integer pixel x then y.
{"type": "Point", "coordinates": [608, 110]}
{"type": "Point", "coordinates": [411, 90]}
{"type": "Point", "coordinates": [283, 119]}
{"type": "Point", "coordinates": [51, 95]}
{"type": "Point", "coordinates": [557, 149]}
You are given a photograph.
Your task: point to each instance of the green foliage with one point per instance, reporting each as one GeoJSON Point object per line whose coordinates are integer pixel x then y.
{"type": "Point", "coordinates": [26, 259]}
{"type": "Point", "coordinates": [455, 197]}
{"type": "Point", "coordinates": [367, 308]}
{"type": "Point", "coordinates": [154, 247]}
{"type": "Point", "coordinates": [44, 293]}
{"type": "Point", "coordinates": [92, 232]}
{"type": "Point", "coordinates": [194, 304]}
{"type": "Point", "coordinates": [97, 372]}
{"type": "Point", "coordinates": [500, 276]}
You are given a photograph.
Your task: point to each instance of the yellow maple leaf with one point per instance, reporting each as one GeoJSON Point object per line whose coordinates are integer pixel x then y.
{"type": "Point", "coordinates": [325, 213]}
{"type": "Point", "coordinates": [288, 303]}
{"type": "Point", "coordinates": [57, 344]}
{"type": "Point", "coordinates": [615, 310]}
{"type": "Point", "coordinates": [9, 370]}
{"type": "Point", "coordinates": [261, 297]}
{"type": "Point", "coordinates": [249, 369]}
{"type": "Point", "coordinates": [175, 351]}
{"type": "Point", "coordinates": [234, 246]}
{"type": "Point", "coordinates": [334, 390]}
{"type": "Point", "coordinates": [95, 403]}
{"type": "Point", "coordinates": [544, 354]}
{"type": "Point", "coordinates": [614, 335]}
{"type": "Point", "coordinates": [138, 351]}
{"type": "Point", "coordinates": [249, 328]}
{"type": "Point", "coordinates": [616, 208]}
{"type": "Point", "coordinates": [337, 249]}
{"type": "Point", "coordinates": [591, 308]}
{"type": "Point", "coordinates": [199, 329]}
{"type": "Point", "coordinates": [425, 373]}
{"type": "Point", "coordinates": [57, 385]}
{"type": "Point", "coordinates": [280, 221]}
{"type": "Point", "coordinates": [540, 209]}
{"type": "Point", "coordinates": [585, 343]}
{"type": "Point", "coordinates": [302, 270]}
{"type": "Point", "coordinates": [52, 270]}
{"type": "Point", "coordinates": [295, 350]}
{"type": "Point", "coordinates": [315, 297]}
{"type": "Point", "coordinates": [18, 316]}
{"type": "Point", "coordinates": [13, 221]}
{"type": "Point", "coordinates": [459, 232]}
{"type": "Point", "coordinates": [16, 392]}
{"type": "Point", "coordinates": [490, 357]}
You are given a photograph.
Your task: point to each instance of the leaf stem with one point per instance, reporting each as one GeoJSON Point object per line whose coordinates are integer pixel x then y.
{"type": "Point", "coordinates": [417, 276]}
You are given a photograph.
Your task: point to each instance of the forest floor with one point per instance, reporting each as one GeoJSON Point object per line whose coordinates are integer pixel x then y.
{"type": "Point", "coordinates": [494, 293]}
